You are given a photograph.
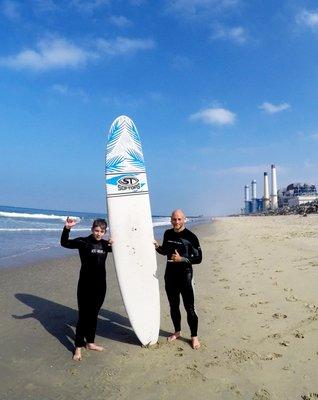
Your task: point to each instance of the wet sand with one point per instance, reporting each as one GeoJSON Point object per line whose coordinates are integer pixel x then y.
{"type": "Point", "coordinates": [257, 301]}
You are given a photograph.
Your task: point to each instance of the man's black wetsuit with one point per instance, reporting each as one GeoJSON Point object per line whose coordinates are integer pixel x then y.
{"type": "Point", "coordinates": [91, 287]}
{"type": "Point", "coordinates": [178, 275]}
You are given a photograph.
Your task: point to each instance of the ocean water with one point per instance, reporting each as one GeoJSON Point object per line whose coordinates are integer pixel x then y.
{"type": "Point", "coordinates": [29, 235]}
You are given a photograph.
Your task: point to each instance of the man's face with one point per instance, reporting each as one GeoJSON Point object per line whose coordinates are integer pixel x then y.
{"type": "Point", "coordinates": [98, 233]}
{"type": "Point", "coordinates": [178, 221]}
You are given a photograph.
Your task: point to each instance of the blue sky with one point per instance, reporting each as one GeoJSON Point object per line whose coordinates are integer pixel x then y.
{"type": "Point", "coordinates": [218, 89]}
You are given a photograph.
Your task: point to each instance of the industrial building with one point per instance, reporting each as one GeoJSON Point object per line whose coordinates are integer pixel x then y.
{"type": "Point", "coordinates": [296, 194]}
{"type": "Point", "coordinates": [293, 195]}
{"type": "Point", "coordinates": [254, 204]}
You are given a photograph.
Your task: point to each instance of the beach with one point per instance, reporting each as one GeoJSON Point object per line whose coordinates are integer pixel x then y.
{"type": "Point", "coordinates": [257, 303]}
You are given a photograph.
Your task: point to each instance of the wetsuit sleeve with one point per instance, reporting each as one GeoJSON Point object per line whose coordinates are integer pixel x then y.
{"type": "Point", "coordinates": [195, 256]}
{"type": "Point", "coordinates": [163, 249]}
{"type": "Point", "coordinates": [70, 243]}
{"type": "Point", "coordinates": [109, 247]}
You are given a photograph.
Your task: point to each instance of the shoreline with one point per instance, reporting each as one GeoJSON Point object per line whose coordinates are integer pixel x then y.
{"type": "Point", "coordinates": [57, 253]}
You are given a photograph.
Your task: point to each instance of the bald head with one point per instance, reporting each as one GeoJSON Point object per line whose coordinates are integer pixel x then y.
{"type": "Point", "coordinates": [178, 220]}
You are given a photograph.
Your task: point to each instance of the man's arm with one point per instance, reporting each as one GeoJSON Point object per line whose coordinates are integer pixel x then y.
{"type": "Point", "coordinates": [195, 256]}
{"type": "Point", "coordinates": [163, 249]}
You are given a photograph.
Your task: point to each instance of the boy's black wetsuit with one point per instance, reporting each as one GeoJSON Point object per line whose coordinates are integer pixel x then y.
{"type": "Point", "coordinates": [91, 287]}
{"type": "Point", "coordinates": [178, 275]}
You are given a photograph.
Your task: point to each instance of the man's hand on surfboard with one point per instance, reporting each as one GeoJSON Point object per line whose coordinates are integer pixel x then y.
{"type": "Point", "coordinates": [70, 222]}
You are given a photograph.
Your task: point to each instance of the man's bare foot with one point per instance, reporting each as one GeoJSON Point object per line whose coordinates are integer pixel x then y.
{"type": "Point", "coordinates": [93, 346]}
{"type": "Point", "coordinates": [174, 336]}
{"type": "Point", "coordinates": [77, 356]}
{"type": "Point", "coordinates": [195, 343]}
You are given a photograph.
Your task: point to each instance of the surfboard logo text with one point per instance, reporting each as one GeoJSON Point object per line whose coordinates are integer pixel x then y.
{"type": "Point", "coordinates": [128, 183]}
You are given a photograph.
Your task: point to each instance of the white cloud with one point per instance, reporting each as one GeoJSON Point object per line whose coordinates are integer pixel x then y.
{"type": "Point", "coordinates": [124, 45]}
{"type": "Point", "coordinates": [10, 9]}
{"type": "Point", "coordinates": [308, 19]}
{"type": "Point", "coordinates": [270, 108]}
{"type": "Point", "coordinates": [235, 34]}
{"type": "Point", "coordinates": [314, 136]}
{"type": "Point", "coordinates": [50, 54]}
{"type": "Point", "coordinates": [120, 21]}
{"type": "Point", "coordinates": [214, 116]}
{"type": "Point", "coordinates": [60, 53]}
{"type": "Point", "coordinates": [194, 8]}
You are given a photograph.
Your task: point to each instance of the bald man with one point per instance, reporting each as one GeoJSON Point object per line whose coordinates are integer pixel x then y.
{"type": "Point", "coordinates": [182, 249]}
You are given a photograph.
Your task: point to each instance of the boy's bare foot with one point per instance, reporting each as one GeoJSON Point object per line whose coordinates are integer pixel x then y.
{"type": "Point", "coordinates": [93, 346]}
{"type": "Point", "coordinates": [195, 343]}
{"type": "Point", "coordinates": [77, 356]}
{"type": "Point", "coordinates": [174, 336]}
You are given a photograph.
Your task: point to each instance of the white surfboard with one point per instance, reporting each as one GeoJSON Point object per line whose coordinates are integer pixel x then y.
{"type": "Point", "coordinates": [131, 229]}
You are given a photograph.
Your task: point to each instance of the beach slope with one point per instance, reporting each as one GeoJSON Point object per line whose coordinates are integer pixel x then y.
{"type": "Point", "coordinates": [256, 297]}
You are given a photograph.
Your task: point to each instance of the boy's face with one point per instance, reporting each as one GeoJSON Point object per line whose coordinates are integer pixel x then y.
{"type": "Point", "coordinates": [98, 233]}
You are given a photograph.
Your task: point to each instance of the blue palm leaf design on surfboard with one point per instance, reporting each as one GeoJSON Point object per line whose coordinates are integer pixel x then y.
{"type": "Point", "coordinates": [136, 159]}
{"type": "Point", "coordinates": [114, 164]}
{"type": "Point", "coordinates": [114, 134]}
{"type": "Point", "coordinates": [132, 130]}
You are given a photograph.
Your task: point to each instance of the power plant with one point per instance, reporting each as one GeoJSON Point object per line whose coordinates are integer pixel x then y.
{"type": "Point", "coordinates": [294, 195]}
{"type": "Point", "coordinates": [256, 205]}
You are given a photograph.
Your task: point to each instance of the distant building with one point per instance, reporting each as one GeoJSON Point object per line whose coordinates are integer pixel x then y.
{"type": "Point", "coordinates": [255, 205]}
{"type": "Point", "coordinates": [296, 194]}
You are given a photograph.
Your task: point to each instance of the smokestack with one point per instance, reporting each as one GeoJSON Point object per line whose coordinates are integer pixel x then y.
{"type": "Point", "coordinates": [254, 197]}
{"type": "Point", "coordinates": [266, 203]}
{"type": "Point", "coordinates": [247, 193]}
{"type": "Point", "coordinates": [274, 204]}
{"type": "Point", "coordinates": [247, 199]}
{"type": "Point", "coordinates": [253, 189]}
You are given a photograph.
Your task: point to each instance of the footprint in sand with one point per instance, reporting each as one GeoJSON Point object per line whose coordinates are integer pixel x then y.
{"type": "Point", "coordinates": [291, 298]}
{"type": "Point", "coordinates": [311, 307]}
{"type": "Point", "coordinates": [284, 343]}
{"type": "Point", "coordinates": [275, 336]}
{"type": "Point", "coordinates": [309, 396]}
{"type": "Point", "coordinates": [279, 316]}
{"type": "Point", "coordinates": [299, 335]}
{"type": "Point", "coordinates": [288, 367]}
{"type": "Point", "coordinates": [270, 356]}
{"type": "Point", "coordinates": [261, 394]}
{"type": "Point", "coordinates": [179, 352]}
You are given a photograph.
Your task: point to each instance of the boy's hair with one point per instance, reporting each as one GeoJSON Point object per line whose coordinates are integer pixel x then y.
{"type": "Point", "coordinates": [100, 223]}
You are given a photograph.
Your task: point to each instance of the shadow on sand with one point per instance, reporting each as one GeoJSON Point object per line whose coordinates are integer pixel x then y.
{"type": "Point", "coordinates": [60, 321]}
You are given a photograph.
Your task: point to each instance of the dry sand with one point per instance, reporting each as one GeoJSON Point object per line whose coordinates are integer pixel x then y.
{"type": "Point", "coordinates": [257, 301]}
